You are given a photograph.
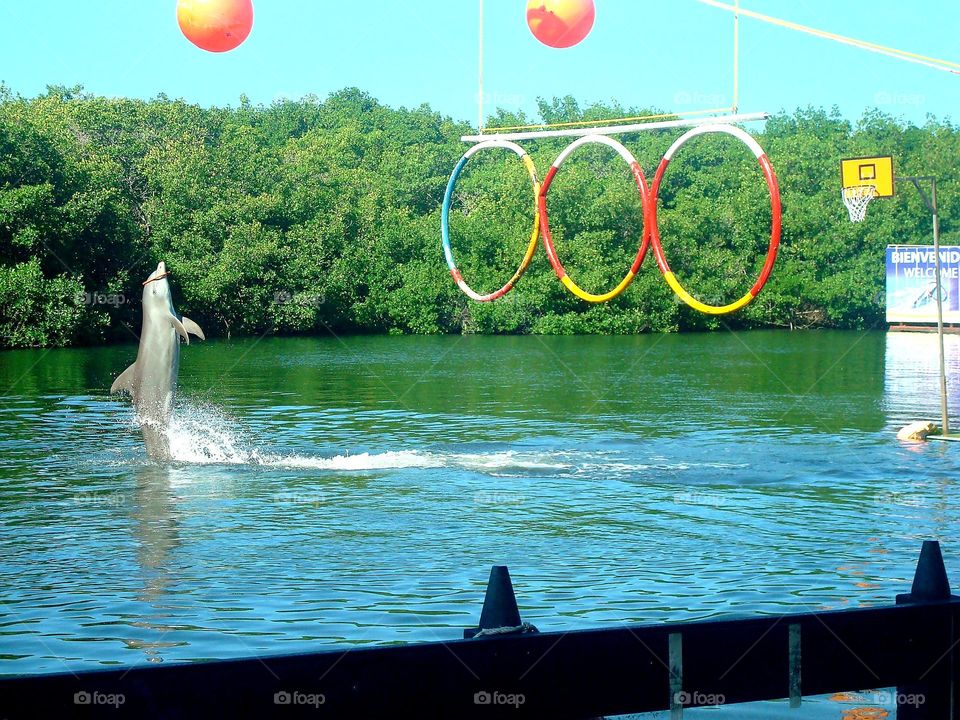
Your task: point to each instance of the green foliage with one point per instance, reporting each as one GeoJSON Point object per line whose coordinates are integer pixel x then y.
{"type": "Point", "coordinates": [317, 216]}
{"type": "Point", "coordinates": [36, 311]}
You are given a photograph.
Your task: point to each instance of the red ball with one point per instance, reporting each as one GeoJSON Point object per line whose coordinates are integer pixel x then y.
{"type": "Point", "coordinates": [560, 23]}
{"type": "Point", "coordinates": [215, 25]}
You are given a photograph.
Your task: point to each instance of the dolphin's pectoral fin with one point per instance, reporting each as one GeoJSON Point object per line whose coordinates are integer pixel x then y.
{"type": "Point", "coordinates": [125, 381]}
{"type": "Point", "coordinates": [181, 330]}
{"type": "Point", "coordinates": [192, 327]}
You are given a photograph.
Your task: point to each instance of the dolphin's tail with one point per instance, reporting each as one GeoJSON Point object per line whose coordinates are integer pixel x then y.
{"type": "Point", "coordinates": [157, 442]}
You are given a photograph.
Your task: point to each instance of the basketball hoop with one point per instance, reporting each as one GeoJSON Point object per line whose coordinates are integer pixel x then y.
{"type": "Point", "coordinates": [856, 198]}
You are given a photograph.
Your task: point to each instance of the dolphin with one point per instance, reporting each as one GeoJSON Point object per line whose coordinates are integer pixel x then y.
{"type": "Point", "coordinates": [152, 380]}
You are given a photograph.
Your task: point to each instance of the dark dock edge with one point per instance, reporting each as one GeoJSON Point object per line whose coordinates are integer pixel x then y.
{"type": "Point", "coordinates": [510, 670]}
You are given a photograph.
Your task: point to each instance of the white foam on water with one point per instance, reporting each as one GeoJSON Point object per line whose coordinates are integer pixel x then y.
{"type": "Point", "coordinates": [508, 460]}
{"type": "Point", "coordinates": [202, 435]}
{"type": "Point", "coordinates": [205, 436]}
{"type": "Point", "coordinates": [362, 461]}
{"type": "Point", "coordinates": [492, 463]}
{"type": "Point", "coordinates": [661, 465]}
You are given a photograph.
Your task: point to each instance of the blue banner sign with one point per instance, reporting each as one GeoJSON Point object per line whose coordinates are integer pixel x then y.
{"type": "Point", "coordinates": [912, 287]}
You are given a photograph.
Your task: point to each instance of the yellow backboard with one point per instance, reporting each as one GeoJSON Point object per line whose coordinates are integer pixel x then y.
{"type": "Point", "coordinates": [876, 171]}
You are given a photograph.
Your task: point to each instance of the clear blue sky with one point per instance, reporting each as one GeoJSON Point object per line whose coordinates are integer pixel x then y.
{"type": "Point", "coordinates": [674, 54]}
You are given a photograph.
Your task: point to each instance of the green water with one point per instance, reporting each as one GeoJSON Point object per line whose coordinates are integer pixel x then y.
{"type": "Point", "coordinates": [329, 493]}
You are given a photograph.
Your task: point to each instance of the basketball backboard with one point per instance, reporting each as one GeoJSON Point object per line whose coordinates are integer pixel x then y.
{"type": "Point", "coordinates": [875, 171]}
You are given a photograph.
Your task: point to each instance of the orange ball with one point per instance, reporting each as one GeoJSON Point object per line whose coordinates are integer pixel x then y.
{"type": "Point", "coordinates": [560, 23]}
{"type": "Point", "coordinates": [215, 25]}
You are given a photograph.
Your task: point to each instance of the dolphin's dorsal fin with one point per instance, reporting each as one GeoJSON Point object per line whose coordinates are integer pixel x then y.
{"type": "Point", "coordinates": [125, 381]}
{"type": "Point", "coordinates": [192, 327]}
{"type": "Point", "coordinates": [178, 326]}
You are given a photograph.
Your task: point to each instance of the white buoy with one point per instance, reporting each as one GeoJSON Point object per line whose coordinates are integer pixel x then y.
{"type": "Point", "coordinates": [916, 431]}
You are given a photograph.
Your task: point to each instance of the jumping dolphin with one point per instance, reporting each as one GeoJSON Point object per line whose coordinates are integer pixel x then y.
{"type": "Point", "coordinates": [152, 380]}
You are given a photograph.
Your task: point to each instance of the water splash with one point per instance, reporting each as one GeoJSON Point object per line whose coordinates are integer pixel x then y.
{"type": "Point", "coordinates": [204, 435]}
{"type": "Point", "coordinates": [361, 461]}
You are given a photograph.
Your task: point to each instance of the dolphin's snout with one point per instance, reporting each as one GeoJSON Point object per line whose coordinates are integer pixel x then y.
{"type": "Point", "coordinates": [159, 274]}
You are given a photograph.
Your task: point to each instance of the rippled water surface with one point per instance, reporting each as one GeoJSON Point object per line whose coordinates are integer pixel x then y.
{"type": "Point", "coordinates": [332, 493]}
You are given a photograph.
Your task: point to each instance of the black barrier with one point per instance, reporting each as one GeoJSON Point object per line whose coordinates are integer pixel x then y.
{"type": "Point", "coordinates": [515, 672]}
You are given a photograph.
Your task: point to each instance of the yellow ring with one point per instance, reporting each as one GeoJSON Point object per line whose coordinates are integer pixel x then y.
{"type": "Point", "coordinates": [535, 237]}
{"type": "Point", "coordinates": [703, 307]}
{"type": "Point", "coordinates": [590, 297]}
{"type": "Point", "coordinates": [545, 224]}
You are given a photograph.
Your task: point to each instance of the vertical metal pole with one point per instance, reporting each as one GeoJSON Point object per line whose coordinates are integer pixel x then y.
{"type": "Point", "coordinates": [736, 58]}
{"type": "Point", "coordinates": [480, 71]}
{"type": "Point", "coordinates": [795, 663]}
{"type": "Point", "coordinates": [677, 699]}
{"type": "Point", "coordinates": [943, 362]}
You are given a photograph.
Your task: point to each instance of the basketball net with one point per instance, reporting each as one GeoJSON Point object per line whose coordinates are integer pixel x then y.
{"type": "Point", "coordinates": [856, 198]}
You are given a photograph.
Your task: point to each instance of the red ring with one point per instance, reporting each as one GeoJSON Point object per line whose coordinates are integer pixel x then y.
{"type": "Point", "coordinates": [776, 209]}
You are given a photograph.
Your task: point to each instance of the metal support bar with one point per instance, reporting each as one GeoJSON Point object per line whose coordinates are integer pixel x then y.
{"type": "Point", "coordinates": [733, 119]}
{"type": "Point", "coordinates": [736, 57]}
{"type": "Point", "coordinates": [675, 642]}
{"type": "Point", "coordinates": [931, 203]}
{"type": "Point", "coordinates": [915, 181]}
{"type": "Point", "coordinates": [796, 687]}
{"type": "Point", "coordinates": [480, 118]}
